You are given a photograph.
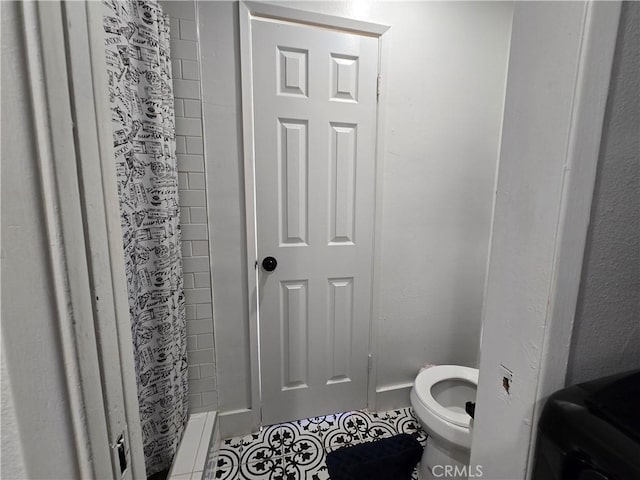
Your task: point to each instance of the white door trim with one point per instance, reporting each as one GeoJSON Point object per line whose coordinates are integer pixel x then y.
{"type": "Point", "coordinates": [113, 322]}
{"type": "Point", "coordinates": [54, 142]}
{"type": "Point", "coordinates": [590, 102]}
{"type": "Point", "coordinates": [384, 45]}
{"type": "Point", "coordinates": [535, 333]}
{"type": "Point", "coordinates": [249, 10]}
{"type": "Point", "coordinates": [68, 83]}
{"type": "Point", "coordinates": [266, 10]}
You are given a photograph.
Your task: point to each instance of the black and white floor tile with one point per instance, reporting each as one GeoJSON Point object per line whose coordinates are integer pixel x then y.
{"type": "Point", "coordinates": [297, 450]}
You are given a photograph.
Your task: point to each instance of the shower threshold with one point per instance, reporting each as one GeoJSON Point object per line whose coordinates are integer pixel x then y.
{"type": "Point", "coordinates": [200, 435]}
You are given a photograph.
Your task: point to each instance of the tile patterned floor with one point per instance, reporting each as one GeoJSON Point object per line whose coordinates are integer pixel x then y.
{"type": "Point", "coordinates": [297, 450]}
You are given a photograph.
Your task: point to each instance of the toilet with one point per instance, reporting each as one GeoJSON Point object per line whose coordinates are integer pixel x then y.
{"type": "Point", "coordinates": [438, 399]}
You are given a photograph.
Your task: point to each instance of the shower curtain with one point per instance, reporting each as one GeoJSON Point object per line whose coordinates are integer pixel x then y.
{"type": "Point", "coordinates": [141, 100]}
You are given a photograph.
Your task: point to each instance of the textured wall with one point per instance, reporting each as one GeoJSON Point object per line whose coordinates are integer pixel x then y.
{"type": "Point", "coordinates": [185, 60]}
{"type": "Point", "coordinates": [606, 335]}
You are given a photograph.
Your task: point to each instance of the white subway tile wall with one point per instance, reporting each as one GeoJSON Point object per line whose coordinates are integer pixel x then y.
{"type": "Point", "coordinates": [195, 243]}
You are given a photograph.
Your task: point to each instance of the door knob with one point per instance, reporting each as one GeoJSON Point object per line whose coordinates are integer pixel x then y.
{"type": "Point", "coordinates": [269, 264]}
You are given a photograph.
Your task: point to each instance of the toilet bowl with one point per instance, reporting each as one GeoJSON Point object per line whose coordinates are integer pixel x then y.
{"type": "Point", "coordinates": [438, 399]}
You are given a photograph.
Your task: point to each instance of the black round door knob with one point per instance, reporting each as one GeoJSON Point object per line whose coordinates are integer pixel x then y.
{"type": "Point", "coordinates": [269, 264]}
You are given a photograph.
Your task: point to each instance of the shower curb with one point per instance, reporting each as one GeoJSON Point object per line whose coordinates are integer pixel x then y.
{"type": "Point", "coordinates": [201, 434]}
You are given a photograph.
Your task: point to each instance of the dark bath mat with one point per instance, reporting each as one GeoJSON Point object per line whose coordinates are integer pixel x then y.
{"type": "Point", "coordinates": [385, 459]}
{"type": "Point", "coordinates": [159, 475]}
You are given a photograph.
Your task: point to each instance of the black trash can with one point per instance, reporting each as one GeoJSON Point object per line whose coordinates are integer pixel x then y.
{"type": "Point", "coordinates": [591, 431]}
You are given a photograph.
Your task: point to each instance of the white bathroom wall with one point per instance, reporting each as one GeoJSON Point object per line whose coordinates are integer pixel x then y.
{"type": "Point", "coordinates": [606, 332]}
{"type": "Point", "coordinates": [185, 61]}
{"type": "Point", "coordinates": [219, 41]}
{"type": "Point", "coordinates": [446, 79]}
{"type": "Point", "coordinates": [445, 89]}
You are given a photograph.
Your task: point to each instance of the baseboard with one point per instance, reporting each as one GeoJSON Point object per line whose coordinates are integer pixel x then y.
{"type": "Point", "coordinates": [236, 423]}
{"type": "Point", "coordinates": [395, 396]}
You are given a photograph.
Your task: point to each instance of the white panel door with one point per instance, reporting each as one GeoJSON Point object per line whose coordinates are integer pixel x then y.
{"type": "Point", "coordinates": [314, 92]}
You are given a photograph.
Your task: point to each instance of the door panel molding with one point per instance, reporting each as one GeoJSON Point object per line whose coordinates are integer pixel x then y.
{"type": "Point", "coordinates": [293, 81]}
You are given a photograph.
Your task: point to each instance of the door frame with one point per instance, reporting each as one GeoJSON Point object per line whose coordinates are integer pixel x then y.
{"type": "Point", "coordinates": [249, 10]}
{"type": "Point", "coordinates": [531, 336]}
{"type": "Point", "coordinates": [64, 51]}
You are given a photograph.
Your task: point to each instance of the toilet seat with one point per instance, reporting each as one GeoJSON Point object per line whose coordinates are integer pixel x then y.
{"type": "Point", "coordinates": [431, 376]}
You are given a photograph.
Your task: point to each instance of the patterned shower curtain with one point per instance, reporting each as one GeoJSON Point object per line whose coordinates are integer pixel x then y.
{"type": "Point", "coordinates": [141, 99]}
